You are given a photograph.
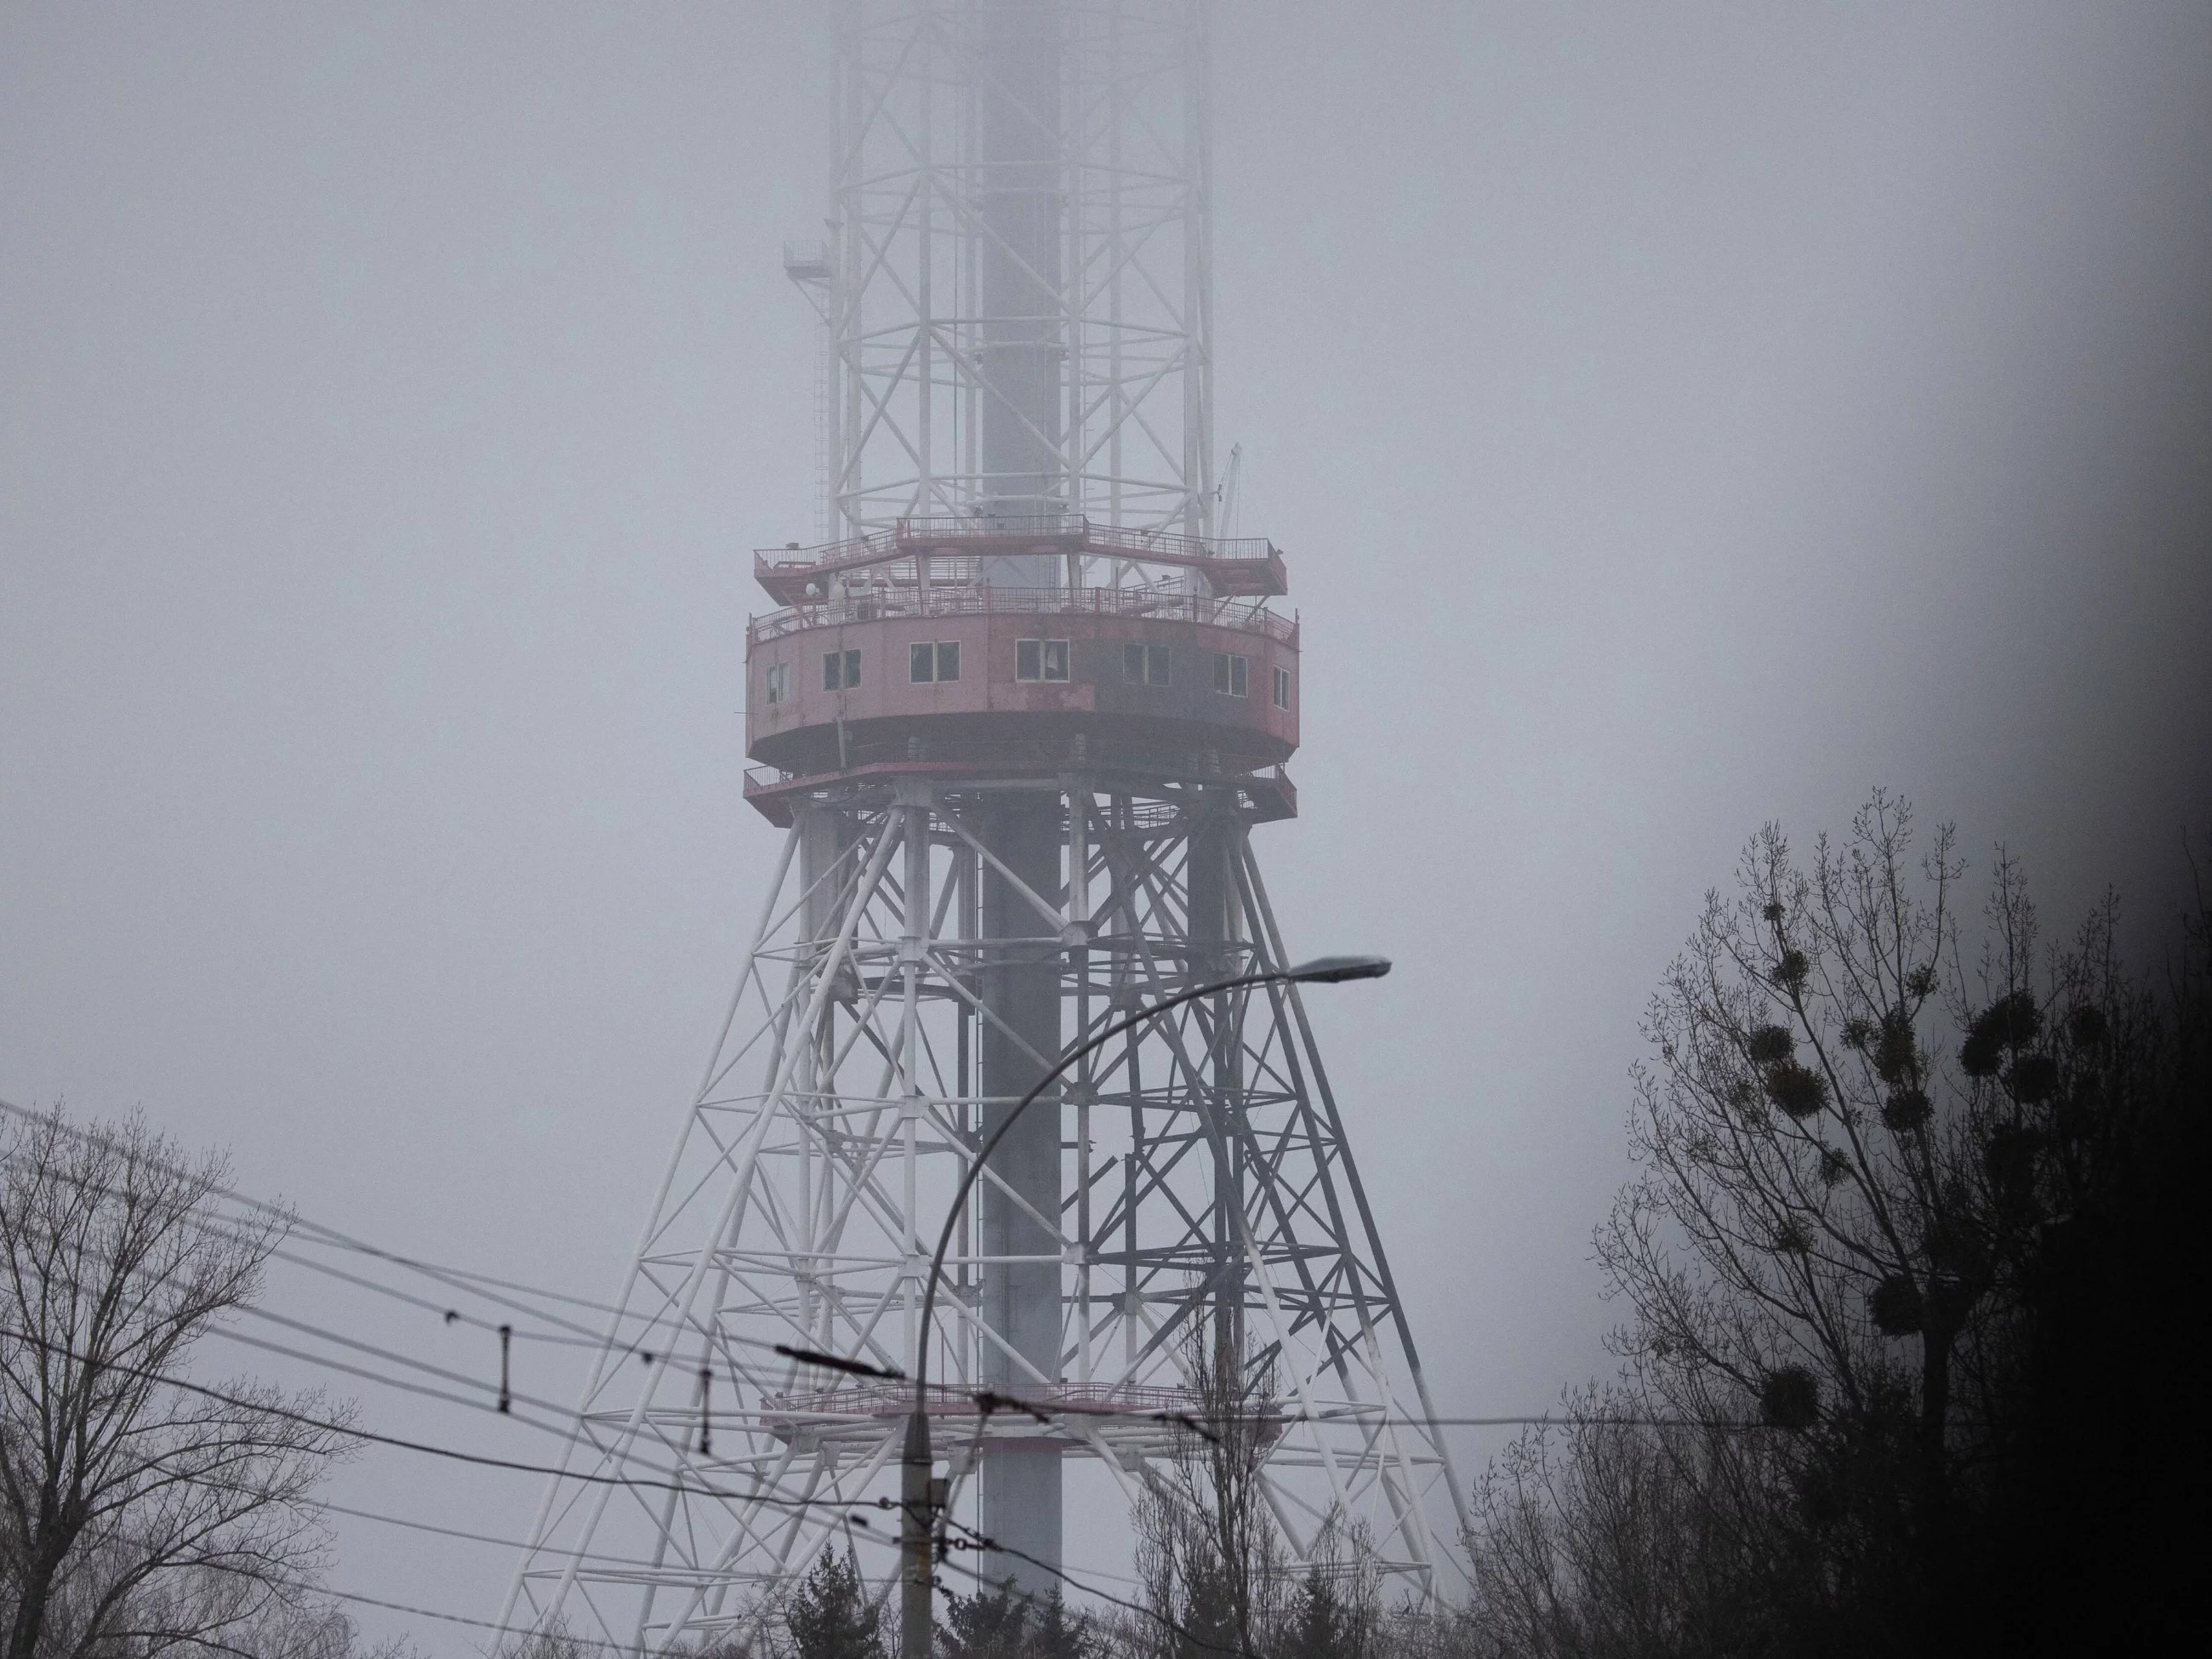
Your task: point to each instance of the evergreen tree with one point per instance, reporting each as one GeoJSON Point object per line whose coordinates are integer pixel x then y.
{"type": "Point", "coordinates": [1318, 1622]}
{"type": "Point", "coordinates": [988, 1624]}
{"type": "Point", "coordinates": [831, 1616]}
{"type": "Point", "coordinates": [1059, 1634]}
{"type": "Point", "coordinates": [1003, 1624]}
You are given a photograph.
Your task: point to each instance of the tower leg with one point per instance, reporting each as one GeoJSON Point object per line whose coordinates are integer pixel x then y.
{"type": "Point", "coordinates": [1210, 860]}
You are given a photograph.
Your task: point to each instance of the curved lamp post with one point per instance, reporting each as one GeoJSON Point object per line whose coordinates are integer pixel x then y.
{"type": "Point", "coordinates": [916, 1613]}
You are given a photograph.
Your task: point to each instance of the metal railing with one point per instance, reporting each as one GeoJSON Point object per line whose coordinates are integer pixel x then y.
{"type": "Point", "coordinates": [1081, 752]}
{"type": "Point", "coordinates": [1063, 529]}
{"type": "Point", "coordinates": [878, 604]}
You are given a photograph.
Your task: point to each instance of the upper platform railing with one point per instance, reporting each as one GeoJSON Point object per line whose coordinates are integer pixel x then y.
{"type": "Point", "coordinates": [1246, 567]}
{"type": "Point", "coordinates": [866, 603]}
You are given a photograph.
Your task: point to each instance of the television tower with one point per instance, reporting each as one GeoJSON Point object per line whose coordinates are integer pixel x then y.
{"type": "Point", "coordinates": [1017, 716]}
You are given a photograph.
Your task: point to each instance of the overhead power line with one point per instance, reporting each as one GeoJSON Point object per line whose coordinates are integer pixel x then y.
{"type": "Point", "coordinates": [694, 1487]}
{"type": "Point", "coordinates": [408, 1524]}
{"type": "Point", "coordinates": [580, 1337]}
{"type": "Point", "coordinates": [465, 1280]}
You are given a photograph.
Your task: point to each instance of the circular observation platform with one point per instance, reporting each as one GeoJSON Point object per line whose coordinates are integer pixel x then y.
{"type": "Point", "coordinates": [1007, 650]}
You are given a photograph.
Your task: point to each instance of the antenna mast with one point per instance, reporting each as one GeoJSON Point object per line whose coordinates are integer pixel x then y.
{"type": "Point", "coordinates": [1022, 294]}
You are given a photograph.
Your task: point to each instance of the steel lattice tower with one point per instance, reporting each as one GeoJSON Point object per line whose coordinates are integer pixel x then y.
{"type": "Point", "coordinates": [1017, 722]}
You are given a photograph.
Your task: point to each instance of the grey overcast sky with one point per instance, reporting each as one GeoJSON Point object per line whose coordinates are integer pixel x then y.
{"type": "Point", "coordinates": [1675, 416]}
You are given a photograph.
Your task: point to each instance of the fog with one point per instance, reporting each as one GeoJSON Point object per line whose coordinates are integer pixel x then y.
{"type": "Point", "coordinates": [1674, 419]}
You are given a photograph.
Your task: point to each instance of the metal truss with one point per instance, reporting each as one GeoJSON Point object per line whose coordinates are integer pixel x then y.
{"type": "Point", "coordinates": [1205, 1174]}
{"type": "Point", "coordinates": [907, 334]}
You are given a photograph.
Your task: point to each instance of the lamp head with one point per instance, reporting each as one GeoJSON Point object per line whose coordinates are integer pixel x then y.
{"type": "Point", "coordinates": [1328, 970]}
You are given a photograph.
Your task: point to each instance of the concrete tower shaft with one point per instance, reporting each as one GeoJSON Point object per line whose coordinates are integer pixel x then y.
{"type": "Point", "coordinates": [1021, 186]}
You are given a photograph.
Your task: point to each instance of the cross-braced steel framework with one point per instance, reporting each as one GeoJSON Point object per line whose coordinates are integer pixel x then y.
{"type": "Point", "coordinates": [913, 322]}
{"type": "Point", "coordinates": [991, 857]}
{"type": "Point", "coordinates": [1207, 1174]}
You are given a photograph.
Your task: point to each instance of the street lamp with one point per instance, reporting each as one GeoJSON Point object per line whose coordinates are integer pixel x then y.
{"type": "Point", "coordinates": [915, 1619]}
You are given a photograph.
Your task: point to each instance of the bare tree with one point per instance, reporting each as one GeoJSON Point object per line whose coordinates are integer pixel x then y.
{"type": "Point", "coordinates": [1611, 1536]}
{"type": "Point", "coordinates": [1890, 1183]}
{"type": "Point", "coordinates": [139, 1513]}
{"type": "Point", "coordinates": [1207, 1549]}
{"type": "Point", "coordinates": [1850, 1139]}
{"type": "Point", "coordinates": [554, 1640]}
{"type": "Point", "coordinates": [254, 1625]}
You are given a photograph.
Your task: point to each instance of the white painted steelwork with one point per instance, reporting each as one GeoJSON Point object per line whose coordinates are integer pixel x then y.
{"type": "Point", "coordinates": [1205, 1165]}
{"type": "Point", "coordinates": [1016, 310]}
{"type": "Point", "coordinates": [922, 284]}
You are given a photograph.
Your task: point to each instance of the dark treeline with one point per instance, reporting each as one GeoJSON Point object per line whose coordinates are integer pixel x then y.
{"type": "Point", "coordinates": [1910, 1267]}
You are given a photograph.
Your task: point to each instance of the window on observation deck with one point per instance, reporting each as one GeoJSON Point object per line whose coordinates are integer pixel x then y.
{"type": "Point", "coordinates": [778, 681]}
{"type": "Point", "coordinates": [1282, 688]}
{"type": "Point", "coordinates": [1040, 659]}
{"type": "Point", "coordinates": [840, 670]}
{"type": "Point", "coordinates": [939, 661]}
{"type": "Point", "coordinates": [1231, 675]}
{"type": "Point", "coordinates": [1144, 664]}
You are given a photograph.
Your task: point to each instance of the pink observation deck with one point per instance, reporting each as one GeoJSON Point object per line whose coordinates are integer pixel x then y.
{"type": "Point", "coordinates": [1019, 646]}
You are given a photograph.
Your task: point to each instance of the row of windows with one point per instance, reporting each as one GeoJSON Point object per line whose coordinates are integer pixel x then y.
{"type": "Point", "coordinates": [938, 660]}
{"type": "Point", "coordinates": [1151, 665]}
{"type": "Point", "coordinates": [841, 671]}
{"type": "Point", "coordinates": [1232, 677]}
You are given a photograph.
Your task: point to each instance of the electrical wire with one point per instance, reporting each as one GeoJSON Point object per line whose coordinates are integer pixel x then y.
{"type": "Point", "coordinates": [453, 1454]}
{"type": "Point", "coordinates": [410, 1525]}
{"type": "Point", "coordinates": [776, 1499]}
{"type": "Point", "coordinates": [390, 1355]}
{"type": "Point", "coordinates": [978, 1539]}
{"type": "Point", "coordinates": [501, 1293]}
{"type": "Point", "coordinates": [558, 1429]}
{"type": "Point", "coordinates": [988, 1401]}
{"type": "Point", "coordinates": [585, 1340]}
{"type": "Point", "coordinates": [462, 1278]}
{"type": "Point", "coordinates": [452, 1618]}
